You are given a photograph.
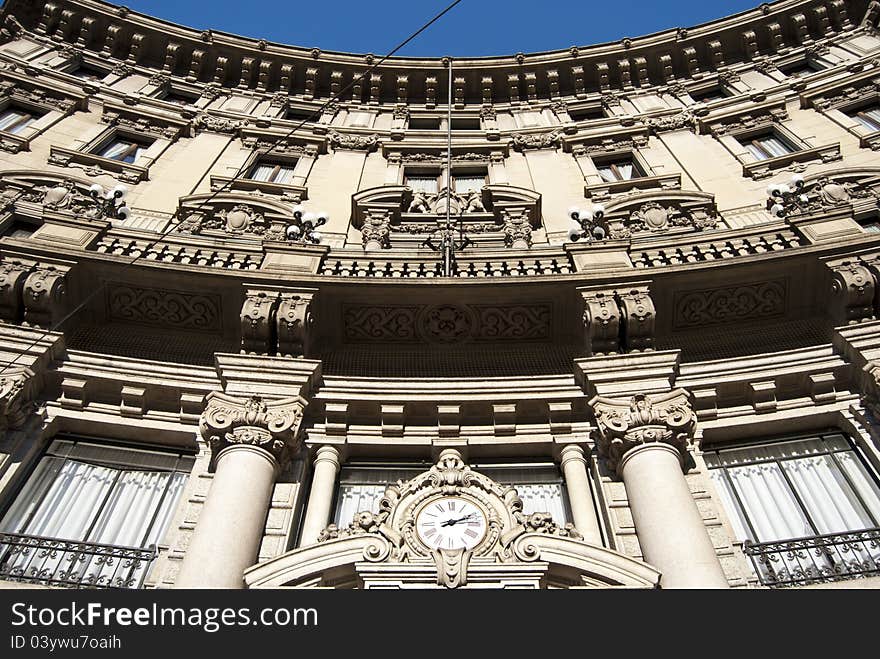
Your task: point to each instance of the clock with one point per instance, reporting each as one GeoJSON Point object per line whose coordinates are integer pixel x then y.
{"type": "Point", "coordinates": [451, 523]}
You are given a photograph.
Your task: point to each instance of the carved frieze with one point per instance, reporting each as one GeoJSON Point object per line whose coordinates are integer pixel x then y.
{"type": "Point", "coordinates": [214, 124]}
{"type": "Point", "coordinates": [141, 124]}
{"type": "Point", "coordinates": [731, 303]}
{"type": "Point", "coordinates": [625, 424]}
{"type": "Point", "coordinates": [523, 141]}
{"type": "Point", "coordinates": [750, 121]}
{"type": "Point", "coordinates": [353, 142]}
{"type": "Point", "coordinates": [680, 121]}
{"type": "Point", "coordinates": [150, 306]}
{"type": "Point", "coordinates": [446, 323]}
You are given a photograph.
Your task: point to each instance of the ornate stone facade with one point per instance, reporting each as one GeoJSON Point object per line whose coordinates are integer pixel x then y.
{"type": "Point", "coordinates": [636, 257]}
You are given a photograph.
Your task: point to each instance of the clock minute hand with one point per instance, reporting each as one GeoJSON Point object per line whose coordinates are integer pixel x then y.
{"type": "Point", "coordinates": [453, 522]}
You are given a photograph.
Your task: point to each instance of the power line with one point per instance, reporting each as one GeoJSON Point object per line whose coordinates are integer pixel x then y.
{"type": "Point", "coordinates": [228, 183]}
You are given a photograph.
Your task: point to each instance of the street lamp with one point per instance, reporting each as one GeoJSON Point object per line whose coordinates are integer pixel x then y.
{"type": "Point", "coordinates": [109, 204]}
{"type": "Point", "coordinates": [783, 199]}
{"type": "Point", "coordinates": [304, 226]}
{"type": "Point", "coordinates": [588, 223]}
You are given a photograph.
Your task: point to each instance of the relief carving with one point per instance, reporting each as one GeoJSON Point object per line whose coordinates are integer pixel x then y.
{"type": "Point", "coordinates": [353, 142]}
{"type": "Point", "coordinates": [163, 308]}
{"type": "Point", "coordinates": [732, 303]}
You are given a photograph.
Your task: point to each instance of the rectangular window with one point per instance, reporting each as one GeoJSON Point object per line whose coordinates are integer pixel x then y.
{"type": "Point", "coordinates": [467, 182]}
{"type": "Point", "coordinates": [123, 150]}
{"type": "Point", "coordinates": [708, 95]}
{"type": "Point", "coordinates": [86, 72]}
{"type": "Point", "coordinates": [180, 98]}
{"type": "Point", "coordinates": [299, 115]}
{"type": "Point", "coordinates": [586, 114]}
{"type": "Point", "coordinates": [624, 169]}
{"type": "Point", "coordinates": [91, 515]}
{"type": "Point", "coordinates": [766, 146]}
{"type": "Point", "coordinates": [465, 124]}
{"type": "Point", "coordinates": [868, 117]}
{"type": "Point", "coordinates": [422, 183]}
{"type": "Point", "coordinates": [14, 120]}
{"type": "Point", "coordinates": [270, 172]}
{"type": "Point", "coordinates": [797, 504]}
{"type": "Point", "coordinates": [800, 69]}
{"type": "Point", "coordinates": [539, 485]}
{"type": "Point", "coordinates": [424, 123]}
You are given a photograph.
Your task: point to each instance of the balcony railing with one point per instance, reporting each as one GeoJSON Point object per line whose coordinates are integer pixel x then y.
{"type": "Point", "coordinates": [72, 564]}
{"type": "Point", "coordinates": [819, 559]}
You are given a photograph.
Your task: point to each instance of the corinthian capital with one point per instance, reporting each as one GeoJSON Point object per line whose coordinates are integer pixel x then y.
{"type": "Point", "coordinates": [627, 423]}
{"type": "Point", "coordinates": [270, 425]}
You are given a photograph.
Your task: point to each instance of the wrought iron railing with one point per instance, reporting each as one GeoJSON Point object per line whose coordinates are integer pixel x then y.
{"type": "Point", "coordinates": [818, 559]}
{"type": "Point", "coordinates": [72, 564]}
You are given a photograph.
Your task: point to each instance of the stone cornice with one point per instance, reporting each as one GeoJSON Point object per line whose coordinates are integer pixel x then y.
{"type": "Point", "coordinates": [658, 58]}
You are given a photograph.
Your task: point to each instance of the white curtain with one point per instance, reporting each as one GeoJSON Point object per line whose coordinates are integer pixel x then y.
{"type": "Point", "coordinates": [543, 498]}
{"type": "Point", "coordinates": [468, 183]}
{"type": "Point", "coordinates": [67, 499]}
{"type": "Point", "coordinates": [123, 151]}
{"type": "Point", "coordinates": [427, 184]}
{"type": "Point", "coordinates": [616, 172]}
{"type": "Point", "coordinates": [13, 121]}
{"type": "Point", "coordinates": [272, 173]}
{"type": "Point", "coordinates": [768, 147]}
{"type": "Point", "coordinates": [870, 118]}
{"type": "Point", "coordinates": [797, 490]}
{"type": "Point", "coordinates": [354, 499]}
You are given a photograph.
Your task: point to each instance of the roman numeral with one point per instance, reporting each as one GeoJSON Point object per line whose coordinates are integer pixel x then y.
{"type": "Point", "coordinates": [452, 505]}
{"type": "Point", "coordinates": [430, 532]}
{"type": "Point", "coordinates": [470, 532]}
{"type": "Point", "coordinates": [440, 508]}
{"type": "Point", "coordinates": [426, 523]}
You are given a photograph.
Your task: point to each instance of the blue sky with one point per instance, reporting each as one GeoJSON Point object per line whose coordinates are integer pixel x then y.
{"type": "Point", "coordinates": [473, 28]}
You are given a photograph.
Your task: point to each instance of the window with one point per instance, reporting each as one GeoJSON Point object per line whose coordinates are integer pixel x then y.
{"type": "Point", "coordinates": [797, 503]}
{"type": "Point", "coordinates": [122, 149]}
{"type": "Point", "coordinates": [539, 485]}
{"type": "Point", "coordinates": [297, 114]}
{"type": "Point", "coordinates": [465, 124]}
{"type": "Point", "coordinates": [86, 72]}
{"type": "Point", "coordinates": [708, 95]}
{"type": "Point", "coordinates": [422, 182]}
{"type": "Point", "coordinates": [586, 114]}
{"type": "Point", "coordinates": [799, 69]}
{"type": "Point", "coordinates": [424, 123]}
{"type": "Point", "coordinates": [870, 227]}
{"type": "Point", "coordinates": [14, 120]}
{"type": "Point", "coordinates": [869, 117]}
{"type": "Point", "coordinates": [273, 172]}
{"type": "Point", "coordinates": [91, 515]}
{"type": "Point", "coordinates": [466, 182]}
{"type": "Point", "coordinates": [623, 169]}
{"type": "Point", "coordinates": [766, 146]}
{"type": "Point", "coordinates": [180, 98]}
{"type": "Point", "coordinates": [20, 229]}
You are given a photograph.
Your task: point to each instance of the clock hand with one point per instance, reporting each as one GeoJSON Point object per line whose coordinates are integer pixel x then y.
{"type": "Point", "coordinates": [453, 522]}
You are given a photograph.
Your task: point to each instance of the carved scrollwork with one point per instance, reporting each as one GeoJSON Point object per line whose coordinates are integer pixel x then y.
{"type": "Point", "coordinates": [731, 303]}
{"type": "Point", "coordinates": [44, 291]}
{"type": "Point", "coordinates": [15, 402]}
{"type": "Point", "coordinates": [680, 121]}
{"type": "Point", "coordinates": [163, 308]}
{"type": "Point", "coordinates": [624, 424]}
{"type": "Point", "coordinates": [215, 124]}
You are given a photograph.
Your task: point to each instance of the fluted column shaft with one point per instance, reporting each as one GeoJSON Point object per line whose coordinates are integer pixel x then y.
{"type": "Point", "coordinates": [326, 468]}
{"type": "Point", "coordinates": [580, 497]}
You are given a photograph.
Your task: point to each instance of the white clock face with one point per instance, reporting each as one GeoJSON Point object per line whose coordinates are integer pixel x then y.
{"type": "Point", "coordinates": [451, 523]}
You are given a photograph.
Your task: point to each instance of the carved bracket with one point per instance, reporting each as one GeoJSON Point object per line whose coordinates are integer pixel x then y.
{"type": "Point", "coordinates": [618, 320]}
{"type": "Point", "coordinates": [277, 322]}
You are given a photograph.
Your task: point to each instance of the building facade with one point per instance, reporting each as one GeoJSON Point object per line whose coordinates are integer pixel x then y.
{"type": "Point", "coordinates": [619, 330]}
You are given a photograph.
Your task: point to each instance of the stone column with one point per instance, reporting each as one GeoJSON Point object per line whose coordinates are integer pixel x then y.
{"type": "Point", "coordinates": [580, 497]}
{"type": "Point", "coordinates": [317, 517]}
{"type": "Point", "coordinates": [251, 439]}
{"type": "Point", "coordinates": [645, 439]}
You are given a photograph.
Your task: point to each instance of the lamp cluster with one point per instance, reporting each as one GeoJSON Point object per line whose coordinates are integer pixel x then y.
{"type": "Point", "coordinates": [588, 223]}
{"type": "Point", "coordinates": [304, 226]}
{"type": "Point", "coordinates": [110, 203]}
{"type": "Point", "coordinates": [785, 198]}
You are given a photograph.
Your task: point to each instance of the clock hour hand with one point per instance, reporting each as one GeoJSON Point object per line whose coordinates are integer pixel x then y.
{"type": "Point", "coordinates": [453, 522]}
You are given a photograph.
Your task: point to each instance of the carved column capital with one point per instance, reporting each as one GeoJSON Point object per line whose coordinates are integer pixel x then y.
{"type": "Point", "coordinates": [269, 425]}
{"type": "Point", "coordinates": [517, 229]}
{"type": "Point", "coordinates": [15, 398]}
{"type": "Point", "coordinates": [625, 424]}
{"type": "Point", "coordinates": [572, 453]}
